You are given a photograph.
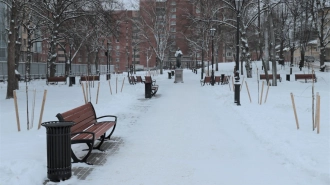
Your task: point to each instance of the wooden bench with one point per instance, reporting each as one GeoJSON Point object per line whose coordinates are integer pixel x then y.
{"type": "Point", "coordinates": [154, 87]}
{"type": "Point", "coordinates": [305, 77]}
{"type": "Point", "coordinates": [217, 79]}
{"type": "Point", "coordinates": [139, 79]}
{"type": "Point", "coordinates": [89, 78]}
{"type": "Point", "coordinates": [225, 79]}
{"type": "Point", "coordinates": [207, 80]}
{"type": "Point", "coordinates": [55, 79]}
{"type": "Point", "coordinates": [132, 80]}
{"type": "Point", "coordinates": [87, 129]}
{"type": "Point", "coordinates": [263, 77]}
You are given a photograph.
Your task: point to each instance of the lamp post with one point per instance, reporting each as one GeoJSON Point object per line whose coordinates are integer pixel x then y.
{"type": "Point", "coordinates": [70, 71]}
{"type": "Point", "coordinates": [134, 59]}
{"type": "Point", "coordinates": [238, 4]}
{"type": "Point", "coordinates": [212, 31]}
{"type": "Point", "coordinates": [108, 58]}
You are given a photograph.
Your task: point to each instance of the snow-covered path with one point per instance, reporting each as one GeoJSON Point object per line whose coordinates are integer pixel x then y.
{"type": "Point", "coordinates": [180, 140]}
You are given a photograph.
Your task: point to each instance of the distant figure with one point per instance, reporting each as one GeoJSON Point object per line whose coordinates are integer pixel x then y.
{"type": "Point", "coordinates": [178, 55]}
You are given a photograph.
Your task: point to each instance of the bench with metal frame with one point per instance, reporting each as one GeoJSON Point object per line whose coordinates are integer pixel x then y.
{"type": "Point", "coordinates": [87, 129]}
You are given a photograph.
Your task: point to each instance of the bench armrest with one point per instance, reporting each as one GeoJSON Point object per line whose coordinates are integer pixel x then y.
{"type": "Point", "coordinates": [107, 116]}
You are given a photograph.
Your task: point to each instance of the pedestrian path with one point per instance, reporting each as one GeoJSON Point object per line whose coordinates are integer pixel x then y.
{"type": "Point", "coordinates": [183, 138]}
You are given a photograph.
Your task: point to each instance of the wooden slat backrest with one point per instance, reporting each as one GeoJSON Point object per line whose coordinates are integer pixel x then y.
{"type": "Point", "coordinates": [148, 79]}
{"type": "Point", "coordinates": [89, 78]}
{"type": "Point", "coordinates": [217, 78]}
{"type": "Point", "coordinates": [138, 79]}
{"type": "Point", "coordinates": [207, 79]}
{"type": "Point", "coordinates": [304, 76]}
{"type": "Point", "coordinates": [263, 76]}
{"type": "Point", "coordinates": [83, 117]}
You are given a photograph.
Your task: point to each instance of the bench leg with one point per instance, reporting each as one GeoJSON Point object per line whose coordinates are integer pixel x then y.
{"type": "Point", "coordinates": [84, 159]}
{"type": "Point", "coordinates": [101, 142]}
{"type": "Point", "coordinates": [108, 137]}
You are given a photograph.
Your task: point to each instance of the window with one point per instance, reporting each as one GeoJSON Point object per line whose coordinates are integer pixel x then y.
{"type": "Point", "coordinates": [228, 54]}
{"type": "Point", "coordinates": [117, 53]}
{"type": "Point", "coordinates": [173, 16]}
{"type": "Point", "coordinates": [173, 9]}
{"type": "Point", "coordinates": [172, 29]}
{"type": "Point", "coordinates": [173, 23]}
{"type": "Point", "coordinates": [117, 47]}
{"type": "Point", "coordinates": [117, 60]}
{"type": "Point", "coordinates": [79, 60]}
{"type": "Point", "coordinates": [173, 3]}
{"type": "Point", "coordinates": [117, 40]}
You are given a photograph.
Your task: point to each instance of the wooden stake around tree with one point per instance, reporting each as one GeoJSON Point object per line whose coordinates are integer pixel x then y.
{"type": "Point", "coordinates": [262, 90]}
{"type": "Point", "coordinates": [313, 99]}
{"type": "Point", "coordinates": [82, 86]}
{"type": "Point", "coordinates": [229, 85]}
{"type": "Point", "coordinates": [318, 113]}
{"type": "Point", "coordinates": [122, 85]}
{"type": "Point", "coordinates": [116, 84]}
{"type": "Point", "coordinates": [16, 110]}
{"type": "Point", "coordinates": [267, 93]}
{"type": "Point", "coordinates": [42, 108]}
{"type": "Point", "coordinates": [33, 107]}
{"type": "Point", "coordinates": [294, 110]}
{"type": "Point", "coordinates": [97, 94]}
{"type": "Point", "coordinates": [110, 87]}
{"type": "Point", "coordinates": [248, 91]}
{"type": "Point", "coordinates": [242, 84]}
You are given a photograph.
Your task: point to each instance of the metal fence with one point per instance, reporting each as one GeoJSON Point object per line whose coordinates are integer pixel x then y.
{"type": "Point", "coordinates": [39, 70]}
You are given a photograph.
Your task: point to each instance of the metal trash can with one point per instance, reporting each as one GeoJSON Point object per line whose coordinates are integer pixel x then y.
{"type": "Point", "coordinates": [287, 77]}
{"type": "Point", "coordinates": [58, 150]}
{"type": "Point", "coordinates": [72, 80]}
{"type": "Point", "coordinates": [169, 75]}
{"type": "Point", "coordinates": [147, 88]}
{"type": "Point", "coordinates": [172, 73]}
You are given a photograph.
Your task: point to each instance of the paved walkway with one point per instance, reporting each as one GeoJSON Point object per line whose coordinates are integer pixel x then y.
{"type": "Point", "coordinates": [197, 148]}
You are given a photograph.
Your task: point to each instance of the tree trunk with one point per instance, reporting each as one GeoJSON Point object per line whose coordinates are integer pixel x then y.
{"type": "Point", "coordinates": [11, 53]}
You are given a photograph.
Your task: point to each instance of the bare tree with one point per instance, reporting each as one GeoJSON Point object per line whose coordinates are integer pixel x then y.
{"type": "Point", "coordinates": [320, 14]}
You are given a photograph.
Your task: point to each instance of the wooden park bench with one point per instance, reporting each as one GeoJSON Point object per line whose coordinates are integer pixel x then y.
{"type": "Point", "coordinates": [217, 79]}
{"type": "Point", "coordinates": [305, 77]}
{"type": "Point", "coordinates": [207, 80]}
{"type": "Point", "coordinates": [263, 77]}
{"type": "Point", "coordinates": [89, 78]}
{"type": "Point", "coordinates": [139, 79]}
{"type": "Point", "coordinates": [87, 129]}
{"type": "Point", "coordinates": [55, 80]}
{"type": "Point", "coordinates": [132, 80]}
{"type": "Point", "coordinates": [225, 79]}
{"type": "Point", "coordinates": [154, 87]}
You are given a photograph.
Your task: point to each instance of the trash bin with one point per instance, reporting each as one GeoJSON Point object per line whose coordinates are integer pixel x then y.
{"type": "Point", "coordinates": [169, 75]}
{"type": "Point", "coordinates": [72, 80]}
{"type": "Point", "coordinates": [147, 88]}
{"type": "Point", "coordinates": [58, 150]}
{"type": "Point", "coordinates": [172, 73]}
{"type": "Point", "coordinates": [287, 77]}
{"type": "Point", "coordinates": [237, 94]}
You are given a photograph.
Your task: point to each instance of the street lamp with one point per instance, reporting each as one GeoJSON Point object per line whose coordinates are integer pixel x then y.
{"type": "Point", "coordinates": [238, 4]}
{"type": "Point", "coordinates": [134, 59]}
{"type": "Point", "coordinates": [70, 71]}
{"type": "Point", "coordinates": [108, 58]}
{"type": "Point", "coordinates": [212, 31]}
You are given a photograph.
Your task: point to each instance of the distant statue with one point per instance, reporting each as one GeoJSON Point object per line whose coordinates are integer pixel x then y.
{"type": "Point", "coordinates": [178, 55]}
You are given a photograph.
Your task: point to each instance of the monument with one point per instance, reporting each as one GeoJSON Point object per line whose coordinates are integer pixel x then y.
{"type": "Point", "coordinates": [178, 69]}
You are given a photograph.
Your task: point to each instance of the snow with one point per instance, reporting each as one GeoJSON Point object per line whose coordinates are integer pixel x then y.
{"type": "Point", "coordinates": [187, 134]}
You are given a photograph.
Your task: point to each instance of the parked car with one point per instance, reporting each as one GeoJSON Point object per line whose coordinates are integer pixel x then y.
{"type": "Point", "coordinates": [309, 59]}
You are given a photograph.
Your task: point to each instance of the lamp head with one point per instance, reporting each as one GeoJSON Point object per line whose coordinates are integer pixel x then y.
{"type": "Point", "coordinates": [238, 4]}
{"type": "Point", "coordinates": [212, 31]}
